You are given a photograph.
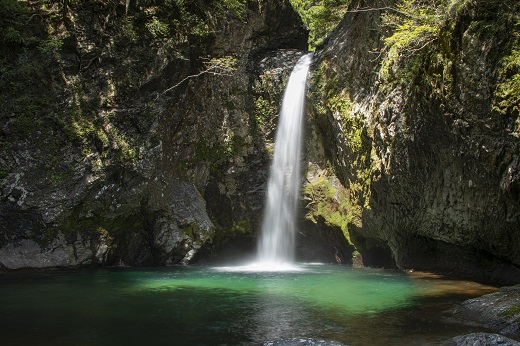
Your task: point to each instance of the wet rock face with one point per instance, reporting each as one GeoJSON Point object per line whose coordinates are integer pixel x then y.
{"type": "Point", "coordinates": [121, 172]}
{"type": "Point", "coordinates": [432, 166]}
{"type": "Point", "coordinates": [61, 251]}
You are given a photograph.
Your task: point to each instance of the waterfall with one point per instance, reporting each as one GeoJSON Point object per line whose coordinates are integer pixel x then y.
{"type": "Point", "coordinates": [276, 245]}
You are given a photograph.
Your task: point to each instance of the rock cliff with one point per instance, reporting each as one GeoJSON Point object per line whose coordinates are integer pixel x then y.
{"type": "Point", "coordinates": [129, 134]}
{"type": "Point", "coordinates": [140, 133]}
{"type": "Point", "coordinates": [423, 137]}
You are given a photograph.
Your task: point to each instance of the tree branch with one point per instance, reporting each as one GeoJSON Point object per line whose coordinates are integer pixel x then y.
{"type": "Point", "coordinates": [369, 9]}
{"type": "Point", "coordinates": [216, 67]}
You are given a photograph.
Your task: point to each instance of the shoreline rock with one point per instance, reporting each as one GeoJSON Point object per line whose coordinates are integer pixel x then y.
{"type": "Point", "coordinates": [498, 311]}
{"type": "Point", "coordinates": [481, 339]}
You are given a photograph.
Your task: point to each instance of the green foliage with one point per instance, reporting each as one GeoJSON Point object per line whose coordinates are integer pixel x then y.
{"type": "Point", "coordinates": [320, 16]}
{"type": "Point", "coordinates": [196, 17]}
{"type": "Point", "coordinates": [236, 5]}
{"type": "Point", "coordinates": [508, 87]}
{"type": "Point", "coordinates": [51, 45]}
{"type": "Point", "coordinates": [414, 25]}
{"type": "Point", "coordinates": [12, 15]}
{"type": "Point", "coordinates": [157, 28]}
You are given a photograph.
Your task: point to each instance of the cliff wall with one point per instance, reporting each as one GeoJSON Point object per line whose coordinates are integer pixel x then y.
{"type": "Point", "coordinates": [129, 134]}
{"type": "Point", "coordinates": [421, 128]}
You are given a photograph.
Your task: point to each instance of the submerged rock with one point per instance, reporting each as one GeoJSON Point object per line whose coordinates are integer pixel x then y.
{"type": "Point", "coordinates": [481, 339]}
{"type": "Point", "coordinates": [303, 342]}
{"type": "Point", "coordinates": [126, 151]}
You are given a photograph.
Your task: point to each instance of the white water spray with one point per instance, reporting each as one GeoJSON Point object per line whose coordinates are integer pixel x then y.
{"type": "Point", "coordinates": [276, 246]}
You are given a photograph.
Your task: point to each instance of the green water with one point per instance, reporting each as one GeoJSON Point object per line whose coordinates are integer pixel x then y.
{"type": "Point", "coordinates": [215, 306]}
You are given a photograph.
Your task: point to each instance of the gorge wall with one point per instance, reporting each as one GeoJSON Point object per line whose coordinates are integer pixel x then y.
{"type": "Point", "coordinates": [423, 136]}
{"type": "Point", "coordinates": [129, 134]}
{"type": "Point", "coordinates": [140, 133]}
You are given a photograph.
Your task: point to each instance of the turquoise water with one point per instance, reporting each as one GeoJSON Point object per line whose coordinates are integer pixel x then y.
{"type": "Point", "coordinates": [225, 306]}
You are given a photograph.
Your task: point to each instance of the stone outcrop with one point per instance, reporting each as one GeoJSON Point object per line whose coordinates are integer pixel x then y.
{"type": "Point", "coordinates": [426, 154]}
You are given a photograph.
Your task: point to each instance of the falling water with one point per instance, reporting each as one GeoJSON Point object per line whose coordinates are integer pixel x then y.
{"type": "Point", "coordinates": [276, 246]}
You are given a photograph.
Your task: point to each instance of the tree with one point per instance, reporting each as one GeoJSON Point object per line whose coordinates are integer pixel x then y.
{"type": "Point", "coordinates": [320, 17]}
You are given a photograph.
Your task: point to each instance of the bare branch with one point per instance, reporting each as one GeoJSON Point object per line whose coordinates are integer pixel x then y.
{"type": "Point", "coordinates": [182, 81]}
{"type": "Point", "coordinates": [215, 66]}
{"type": "Point", "coordinates": [32, 16]}
{"type": "Point", "coordinates": [369, 9]}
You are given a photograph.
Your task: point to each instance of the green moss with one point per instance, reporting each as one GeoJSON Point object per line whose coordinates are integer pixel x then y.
{"type": "Point", "coordinates": [267, 92]}
{"type": "Point", "coordinates": [242, 226]}
{"type": "Point", "coordinates": [327, 86]}
{"type": "Point", "coordinates": [412, 32]}
{"type": "Point", "coordinates": [330, 203]}
{"type": "Point", "coordinates": [512, 312]}
{"type": "Point", "coordinates": [193, 232]}
{"type": "Point", "coordinates": [507, 91]}
{"type": "Point", "coordinates": [215, 155]}
{"type": "Point", "coordinates": [341, 205]}
{"type": "Point", "coordinates": [238, 6]}
{"type": "Point", "coordinates": [46, 237]}
{"type": "Point", "coordinates": [264, 113]}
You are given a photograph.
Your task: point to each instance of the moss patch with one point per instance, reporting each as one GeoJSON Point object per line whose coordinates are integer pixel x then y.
{"type": "Point", "coordinates": [413, 27]}
{"type": "Point", "coordinates": [513, 311]}
{"type": "Point", "coordinates": [242, 226]}
{"type": "Point", "coordinates": [508, 87]}
{"type": "Point", "coordinates": [329, 202]}
{"type": "Point", "coordinates": [267, 92]}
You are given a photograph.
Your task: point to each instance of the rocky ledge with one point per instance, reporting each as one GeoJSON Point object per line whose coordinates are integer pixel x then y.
{"type": "Point", "coordinates": [499, 311]}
